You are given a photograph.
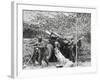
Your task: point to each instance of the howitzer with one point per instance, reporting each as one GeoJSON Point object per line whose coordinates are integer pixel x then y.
{"type": "Point", "coordinates": [56, 35]}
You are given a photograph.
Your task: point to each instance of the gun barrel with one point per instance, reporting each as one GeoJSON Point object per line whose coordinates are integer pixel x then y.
{"type": "Point", "coordinates": [48, 32]}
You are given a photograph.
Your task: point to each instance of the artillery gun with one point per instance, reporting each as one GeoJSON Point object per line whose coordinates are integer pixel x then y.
{"type": "Point", "coordinates": [68, 47]}
{"type": "Point", "coordinates": [53, 36]}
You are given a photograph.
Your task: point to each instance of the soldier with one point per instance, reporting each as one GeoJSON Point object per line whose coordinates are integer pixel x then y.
{"type": "Point", "coordinates": [52, 39]}
{"type": "Point", "coordinates": [41, 51]}
{"type": "Point", "coordinates": [63, 61]}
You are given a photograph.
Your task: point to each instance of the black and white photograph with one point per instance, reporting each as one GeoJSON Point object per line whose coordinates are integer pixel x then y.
{"type": "Point", "coordinates": [55, 39]}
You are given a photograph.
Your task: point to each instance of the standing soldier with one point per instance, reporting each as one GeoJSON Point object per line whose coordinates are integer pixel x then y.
{"type": "Point", "coordinates": [36, 53]}
{"type": "Point", "coordinates": [41, 51]}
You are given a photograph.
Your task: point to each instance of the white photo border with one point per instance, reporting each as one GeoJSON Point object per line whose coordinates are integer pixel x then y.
{"type": "Point", "coordinates": [18, 43]}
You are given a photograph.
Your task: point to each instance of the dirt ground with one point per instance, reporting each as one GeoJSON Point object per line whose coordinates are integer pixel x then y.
{"type": "Point", "coordinates": [54, 65]}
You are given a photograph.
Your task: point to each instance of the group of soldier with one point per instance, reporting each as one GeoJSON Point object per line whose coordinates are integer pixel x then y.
{"type": "Point", "coordinates": [58, 49]}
